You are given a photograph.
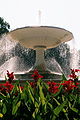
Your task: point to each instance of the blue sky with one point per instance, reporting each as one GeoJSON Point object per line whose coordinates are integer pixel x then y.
{"type": "Point", "coordinates": [59, 13]}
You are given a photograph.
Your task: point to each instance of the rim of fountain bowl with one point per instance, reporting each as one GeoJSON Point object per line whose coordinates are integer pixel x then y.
{"type": "Point", "coordinates": [39, 27]}
{"type": "Point", "coordinates": [53, 27]}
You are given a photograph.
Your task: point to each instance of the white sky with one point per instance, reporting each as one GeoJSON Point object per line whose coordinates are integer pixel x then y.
{"type": "Point", "coordinates": [58, 13]}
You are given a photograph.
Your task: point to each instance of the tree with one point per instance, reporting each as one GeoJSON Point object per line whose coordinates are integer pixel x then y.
{"type": "Point", "coordinates": [4, 26]}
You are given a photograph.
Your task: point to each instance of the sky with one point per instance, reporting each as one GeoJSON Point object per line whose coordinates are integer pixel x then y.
{"type": "Point", "coordinates": [59, 13]}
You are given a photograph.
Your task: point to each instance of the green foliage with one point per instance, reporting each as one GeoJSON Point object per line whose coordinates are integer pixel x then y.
{"type": "Point", "coordinates": [37, 103]}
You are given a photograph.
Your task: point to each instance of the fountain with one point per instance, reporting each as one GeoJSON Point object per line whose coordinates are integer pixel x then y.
{"type": "Point", "coordinates": [40, 38]}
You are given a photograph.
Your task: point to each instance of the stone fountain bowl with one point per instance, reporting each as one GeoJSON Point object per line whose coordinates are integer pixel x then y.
{"type": "Point", "coordinates": [46, 36]}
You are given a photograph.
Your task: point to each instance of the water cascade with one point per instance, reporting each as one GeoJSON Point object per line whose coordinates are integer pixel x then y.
{"type": "Point", "coordinates": [74, 56]}
{"type": "Point", "coordinates": [11, 57]}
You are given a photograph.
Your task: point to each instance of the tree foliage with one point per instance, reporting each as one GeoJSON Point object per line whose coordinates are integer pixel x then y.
{"type": "Point", "coordinates": [4, 26]}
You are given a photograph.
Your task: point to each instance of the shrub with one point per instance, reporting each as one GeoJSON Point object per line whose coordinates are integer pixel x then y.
{"type": "Point", "coordinates": [39, 100]}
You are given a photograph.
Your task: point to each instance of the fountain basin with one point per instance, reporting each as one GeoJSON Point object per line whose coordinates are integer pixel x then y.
{"type": "Point", "coordinates": [32, 37]}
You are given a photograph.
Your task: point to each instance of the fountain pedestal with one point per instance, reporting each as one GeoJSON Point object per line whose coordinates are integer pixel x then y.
{"type": "Point", "coordinates": [40, 64]}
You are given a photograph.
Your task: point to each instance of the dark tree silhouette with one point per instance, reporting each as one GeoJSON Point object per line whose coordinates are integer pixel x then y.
{"type": "Point", "coordinates": [4, 26]}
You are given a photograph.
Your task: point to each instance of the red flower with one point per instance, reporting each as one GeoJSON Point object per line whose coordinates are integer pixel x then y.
{"type": "Point", "coordinates": [8, 86]}
{"type": "Point", "coordinates": [51, 83]}
{"type": "Point", "coordinates": [69, 85]}
{"type": "Point", "coordinates": [53, 88]}
{"type": "Point", "coordinates": [77, 70]}
{"type": "Point", "coordinates": [36, 75]}
{"type": "Point", "coordinates": [32, 84]}
{"type": "Point", "coordinates": [10, 76]}
{"type": "Point", "coordinates": [74, 70]}
{"type": "Point", "coordinates": [73, 74]}
{"type": "Point", "coordinates": [77, 83]}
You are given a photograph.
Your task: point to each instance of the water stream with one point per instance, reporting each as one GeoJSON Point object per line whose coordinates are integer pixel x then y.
{"type": "Point", "coordinates": [12, 57]}
{"type": "Point", "coordinates": [17, 59]}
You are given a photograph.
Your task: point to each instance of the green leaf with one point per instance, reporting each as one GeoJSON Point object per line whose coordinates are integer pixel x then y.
{"type": "Point", "coordinates": [4, 110]}
{"type": "Point", "coordinates": [15, 89]}
{"type": "Point", "coordinates": [17, 82]}
{"type": "Point", "coordinates": [59, 108]}
{"type": "Point", "coordinates": [74, 109]}
{"type": "Point", "coordinates": [31, 96]}
{"type": "Point", "coordinates": [38, 117]}
{"type": "Point", "coordinates": [37, 109]}
{"type": "Point", "coordinates": [2, 96]}
{"type": "Point", "coordinates": [42, 98]}
{"type": "Point", "coordinates": [35, 112]}
{"type": "Point", "coordinates": [37, 105]}
{"type": "Point", "coordinates": [46, 86]}
{"type": "Point", "coordinates": [70, 104]}
{"type": "Point", "coordinates": [53, 117]}
{"type": "Point", "coordinates": [56, 101]}
{"type": "Point", "coordinates": [64, 78]}
{"type": "Point", "coordinates": [15, 108]}
{"type": "Point", "coordinates": [50, 105]}
{"type": "Point", "coordinates": [23, 96]}
{"type": "Point", "coordinates": [74, 119]}
{"type": "Point", "coordinates": [1, 103]}
{"type": "Point", "coordinates": [15, 100]}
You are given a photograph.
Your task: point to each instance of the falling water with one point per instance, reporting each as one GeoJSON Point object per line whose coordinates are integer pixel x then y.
{"type": "Point", "coordinates": [15, 58]}
{"type": "Point", "coordinates": [74, 59]}
{"type": "Point", "coordinates": [74, 62]}
{"type": "Point", "coordinates": [53, 66]}
{"type": "Point", "coordinates": [11, 57]}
